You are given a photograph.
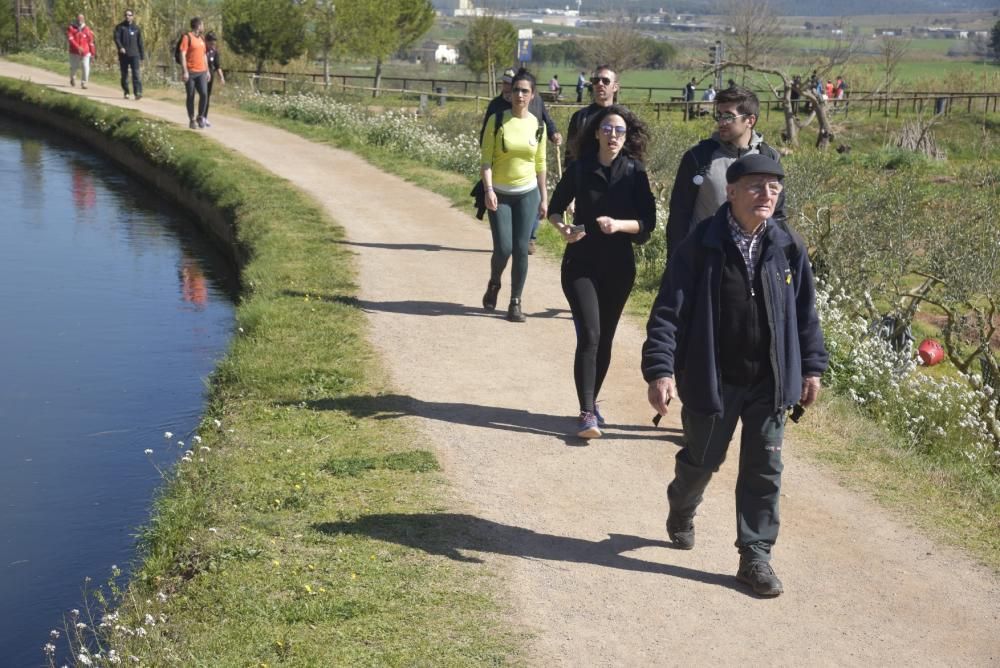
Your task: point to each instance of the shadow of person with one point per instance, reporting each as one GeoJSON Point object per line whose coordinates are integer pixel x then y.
{"type": "Point", "coordinates": [394, 406]}
{"type": "Point", "coordinates": [453, 534]}
{"type": "Point", "coordinates": [433, 248]}
{"type": "Point", "coordinates": [421, 307]}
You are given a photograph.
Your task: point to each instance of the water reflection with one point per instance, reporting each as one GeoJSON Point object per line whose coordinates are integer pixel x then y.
{"type": "Point", "coordinates": [115, 311]}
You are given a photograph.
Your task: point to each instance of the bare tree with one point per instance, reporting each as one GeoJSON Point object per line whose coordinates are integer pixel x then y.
{"type": "Point", "coordinates": [892, 50]}
{"type": "Point", "coordinates": [756, 31]}
{"type": "Point", "coordinates": [619, 45]}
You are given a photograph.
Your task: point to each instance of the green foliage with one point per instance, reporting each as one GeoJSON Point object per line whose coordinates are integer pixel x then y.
{"type": "Point", "coordinates": [379, 28]}
{"type": "Point", "coordinates": [265, 30]}
{"type": "Point", "coordinates": [489, 46]}
{"type": "Point", "coordinates": [995, 41]}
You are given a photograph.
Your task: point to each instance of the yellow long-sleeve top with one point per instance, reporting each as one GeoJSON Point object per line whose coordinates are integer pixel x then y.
{"type": "Point", "coordinates": [514, 152]}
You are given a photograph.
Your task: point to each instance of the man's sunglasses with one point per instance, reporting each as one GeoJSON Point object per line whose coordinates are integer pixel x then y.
{"type": "Point", "coordinates": [601, 80]}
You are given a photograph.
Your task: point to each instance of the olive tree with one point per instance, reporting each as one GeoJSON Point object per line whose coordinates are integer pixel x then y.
{"type": "Point", "coordinates": [264, 30]}
{"type": "Point", "coordinates": [379, 28]}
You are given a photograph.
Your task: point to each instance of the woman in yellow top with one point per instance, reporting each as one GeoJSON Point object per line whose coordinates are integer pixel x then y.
{"type": "Point", "coordinates": [513, 170]}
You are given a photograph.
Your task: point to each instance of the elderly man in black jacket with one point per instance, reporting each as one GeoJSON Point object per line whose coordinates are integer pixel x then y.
{"type": "Point", "coordinates": [128, 41]}
{"type": "Point", "coordinates": [734, 330]}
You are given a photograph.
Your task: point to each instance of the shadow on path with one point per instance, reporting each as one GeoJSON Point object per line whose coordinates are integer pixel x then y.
{"type": "Point", "coordinates": [447, 534]}
{"type": "Point", "coordinates": [413, 247]}
{"type": "Point", "coordinates": [392, 406]}
{"type": "Point", "coordinates": [418, 307]}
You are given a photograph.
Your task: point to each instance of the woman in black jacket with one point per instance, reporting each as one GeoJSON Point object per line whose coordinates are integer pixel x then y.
{"type": "Point", "coordinates": [615, 208]}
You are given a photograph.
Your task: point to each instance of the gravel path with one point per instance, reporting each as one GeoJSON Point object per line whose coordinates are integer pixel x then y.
{"type": "Point", "coordinates": [575, 530]}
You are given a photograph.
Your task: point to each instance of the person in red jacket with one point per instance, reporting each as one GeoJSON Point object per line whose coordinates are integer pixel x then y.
{"type": "Point", "coordinates": [81, 50]}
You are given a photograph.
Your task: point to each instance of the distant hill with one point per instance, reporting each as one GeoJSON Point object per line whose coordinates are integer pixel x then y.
{"type": "Point", "coordinates": [786, 7]}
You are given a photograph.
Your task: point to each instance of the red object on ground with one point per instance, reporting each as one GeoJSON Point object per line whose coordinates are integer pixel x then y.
{"type": "Point", "coordinates": [930, 352]}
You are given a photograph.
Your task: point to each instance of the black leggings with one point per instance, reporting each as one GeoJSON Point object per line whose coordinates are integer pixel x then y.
{"type": "Point", "coordinates": [596, 299]}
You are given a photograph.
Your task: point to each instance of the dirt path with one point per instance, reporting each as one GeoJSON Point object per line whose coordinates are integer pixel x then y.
{"type": "Point", "coordinates": [577, 532]}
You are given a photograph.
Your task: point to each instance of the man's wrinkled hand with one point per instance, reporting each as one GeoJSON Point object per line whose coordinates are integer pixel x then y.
{"type": "Point", "coordinates": [810, 390]}
{"type": "Point", "coordinates": [660, 392]}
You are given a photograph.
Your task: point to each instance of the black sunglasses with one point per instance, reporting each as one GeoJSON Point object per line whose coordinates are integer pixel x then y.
{"type": "Point", "coordinates": [601, 80]}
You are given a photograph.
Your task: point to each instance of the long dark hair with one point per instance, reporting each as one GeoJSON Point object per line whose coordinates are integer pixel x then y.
{"type": "Point", "coordinates": [636, 136]}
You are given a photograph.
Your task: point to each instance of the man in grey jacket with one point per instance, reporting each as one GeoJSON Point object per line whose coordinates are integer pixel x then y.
{"type": "Point", "coordinates": [128, 41]}
{"type": "Point", "coordinates": [700, 185]}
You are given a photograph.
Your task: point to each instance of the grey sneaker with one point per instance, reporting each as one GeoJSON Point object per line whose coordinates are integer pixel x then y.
{"type": "Point", "coordinates": [126, 96]}
{"type": "Point", "coordinates": [681, 531]}
{"type": "Point", "coordinates": [758, 574]}
{"type": "Point", "coordinates": [72, 81]}
{"type": "Point", "coordinates": [192, 124]}
{"type": "Point", "coordinates": [83, 84]}
{"type": "Point", "coordinates": [201, 122]}
{"type": "Point", "coordinates": [587, 425]}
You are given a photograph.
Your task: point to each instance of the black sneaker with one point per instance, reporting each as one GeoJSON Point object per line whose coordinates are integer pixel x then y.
{"type": "Point", "coordinates": [681, 531]}
{"type": "Point", "coordinates": [758, 574]}
{"type": "Point", "coordinates": [490, 298]}
{"type": "Point", "coordinates": [138, 96]}
{"type": "Point", "coordinates": [514, 313]}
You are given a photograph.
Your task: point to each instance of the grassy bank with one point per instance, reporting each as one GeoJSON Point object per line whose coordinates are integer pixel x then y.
{"type": "Point", "coordinates": [250, 558]}
{"type": "Point", "coordinates": [966, 498]}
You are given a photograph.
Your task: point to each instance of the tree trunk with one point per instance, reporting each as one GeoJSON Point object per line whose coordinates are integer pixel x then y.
{"type": "Point", "coordinates": [824, 135]}
{"type": "Point", "coordinates": [326, 66]}
{"type": "Point", "coordinates": [791, 126]}
{"type": "Point", "coordinates": [378, 76]}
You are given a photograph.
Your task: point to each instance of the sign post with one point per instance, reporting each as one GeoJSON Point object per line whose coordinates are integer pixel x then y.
{"type": "Point", "coordinates": [524, 39]}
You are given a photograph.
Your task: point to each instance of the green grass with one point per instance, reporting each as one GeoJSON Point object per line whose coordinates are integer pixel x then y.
{"type": "Point", "coordinates": [256, 542]}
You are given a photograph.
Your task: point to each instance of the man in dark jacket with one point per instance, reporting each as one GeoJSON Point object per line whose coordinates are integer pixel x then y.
{"type": "Point", "coordinates": [700, 185]}
{"type": "Point", "coordinates": [605, 87]}
{"type": "Point", "coordinates": [734, 330]}
{"type": "Point", "coordinates": [128, 41]}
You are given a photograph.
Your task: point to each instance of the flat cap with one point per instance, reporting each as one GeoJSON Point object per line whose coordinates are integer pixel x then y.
{"type": "Point", "coordinates": [754, 163]}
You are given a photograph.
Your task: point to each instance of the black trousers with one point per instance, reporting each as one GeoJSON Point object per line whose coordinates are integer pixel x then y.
{"type": "Point", "coordinates": [208, 97]}
{"type": "Point", "coordinates": [596, 298]}
{"type": "Point", "coordinates": [124, 63]}
{"type": "Point", "coordinates": [197, 81]}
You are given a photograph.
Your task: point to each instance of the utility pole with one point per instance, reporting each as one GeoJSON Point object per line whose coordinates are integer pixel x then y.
{"type": "Point", "coordinates": [718, 54]}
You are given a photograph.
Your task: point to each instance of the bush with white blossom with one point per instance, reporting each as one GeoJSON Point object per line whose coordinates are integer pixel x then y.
{"type": "Point", "coordinates": [937, 415]}
{"type": "Point", "coordinates": [399, 131]}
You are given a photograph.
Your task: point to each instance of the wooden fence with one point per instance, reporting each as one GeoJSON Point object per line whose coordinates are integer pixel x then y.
{"type": "Point", "coordinates": [944, 102]}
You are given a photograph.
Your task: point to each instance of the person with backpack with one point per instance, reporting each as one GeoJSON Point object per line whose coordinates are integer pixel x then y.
{"type": "Point", "coordinates": [501, 103]}
{"type": "Point", "coordinates": [214, 67]}
{"type": "Point", "coordinates": [191, 54]}
{"type": "Point", "coordinates": [615, 209]}
{"type": "Point", "coordinates": [513, 178]}
{"type": "Point", "coordinates": [128, 41]}
{"type": "Point", "coordinates": [734, 331]}
{"type": "Point", "coordinates": [82, 48]}
{"type": "Point", "coordinates": [700, 184]}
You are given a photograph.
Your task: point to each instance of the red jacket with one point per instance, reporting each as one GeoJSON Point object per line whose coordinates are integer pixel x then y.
{"type": "Point", "coordinates": [81, 40]}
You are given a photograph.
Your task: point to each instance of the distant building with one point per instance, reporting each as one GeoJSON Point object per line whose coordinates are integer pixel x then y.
{"type": "Point", "coordinates": [455, 8]}
{"type": "Point", "coordinates": [431, 51]}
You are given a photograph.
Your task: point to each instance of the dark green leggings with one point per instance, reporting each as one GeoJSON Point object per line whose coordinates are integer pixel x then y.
{"type": "Point", "coordinates": [511, 227]}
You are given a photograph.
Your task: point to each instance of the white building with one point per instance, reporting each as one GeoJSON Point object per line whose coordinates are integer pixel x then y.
{"type": "Point", "coordinates": [446, 54]}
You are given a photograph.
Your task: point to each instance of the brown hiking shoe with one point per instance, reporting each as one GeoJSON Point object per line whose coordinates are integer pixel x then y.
{"type": "Point", "coordinates": [681, 531]}
{"type": "Point", "coordinates": [758, 574]}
